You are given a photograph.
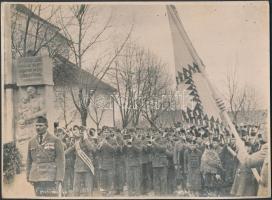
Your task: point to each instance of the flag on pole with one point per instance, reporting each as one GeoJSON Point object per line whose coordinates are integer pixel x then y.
{"type": "Point", "coordinates": [188, 63]}
{"type": "Point", "coordinates": [189, 78]}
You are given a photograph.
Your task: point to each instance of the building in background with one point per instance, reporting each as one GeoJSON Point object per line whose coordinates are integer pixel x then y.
{"type": "Point", "coordinates": [40, 51]}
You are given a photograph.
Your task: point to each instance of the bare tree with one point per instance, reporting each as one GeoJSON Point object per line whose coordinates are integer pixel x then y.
{"type": "Point", "coordinates": [123, 97]}
{"type": "Point", "coordinates": [99, 105]}
{"type": "Point", "coordinates": [82, 38]}
{"type": "Point", "coordinates": [33, 29]}
{"type": "Point", "coordinates": [139, 80]}
{"type": "Point", "coordinates": [68, 112]}
{"type": "Point", "coordinates": [158, 96]}
{"type": "Point", "coordinates": [129, 79]}
{"type": "Point", "coordinates": [236, 96]}
{"type": "Point", "coordinates": [241, 99]}
{"type": "Point", "coordinates": [250, 106]}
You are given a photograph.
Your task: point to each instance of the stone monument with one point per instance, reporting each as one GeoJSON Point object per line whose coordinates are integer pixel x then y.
{"type": "Point", "coordinates": [34, 97]}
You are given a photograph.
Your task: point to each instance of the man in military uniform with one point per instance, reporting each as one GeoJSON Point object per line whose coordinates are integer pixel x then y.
{"type": "Point", "coordinates": [146, 165]}
{"type": "Point", "coordinates": [45, 161]}
{"type": "Point", "coordinates": [119, 167]}
{"type": "Point", "coordinates": [106, 150]}
{"type": "Point", "coordinates": [132, 151]}
{"type": "Point", "coordinates": [159, 164]}
{"type": "Point", "coordinates": [192, 161]}
{"type": "Point", "coordinates": [178, 158]}
{"type": "Point", "coordinates": [211, 169]}
{"type": "Point", "coordinates": [84, 150]}
{"type": "Point", "coordinates": [93, 136]}
{"type": "Point", "coordinates": [171, 178]}
{"type": "Point", "coordinates": [229, 163]}
{"type": "Point", "coordinates": [68, 181]}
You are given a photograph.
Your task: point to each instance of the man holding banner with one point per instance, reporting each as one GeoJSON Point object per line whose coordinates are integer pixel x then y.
{"type": "Point", "coordinates": [247, 182]}
{"type": "Point", "coordinates": [191, 75]}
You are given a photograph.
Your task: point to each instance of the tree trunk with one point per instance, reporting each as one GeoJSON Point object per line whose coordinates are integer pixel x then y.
{"type": "Point", "coordinates": [235, 117]}
{"type": "Point", "coordinates": [83, 115]}
{"type": "Point", "coordinates": [125, 123]}
{"type": "Point", "coordinates": [135, 120]}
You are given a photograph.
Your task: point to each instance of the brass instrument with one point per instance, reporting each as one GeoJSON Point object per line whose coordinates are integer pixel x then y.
{"type": "Point", "coordinates": [101, 143]}
{"type": "Point", "coordinates": [150, 141]}
{"type": "Point", "coordinates": [129, 142]}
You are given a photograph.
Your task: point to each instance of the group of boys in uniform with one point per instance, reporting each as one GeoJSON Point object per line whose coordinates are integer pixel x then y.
{"type": "Point", "coordinates": [180, 161]}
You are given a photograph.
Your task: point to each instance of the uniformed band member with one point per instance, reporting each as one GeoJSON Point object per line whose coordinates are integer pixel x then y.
{"type": "Point", "coordinates": [211, 168]}
{"type": "Point", "coordinates": [106, 151]}
{"type": "Point", "coordinates": [159, 164]}
{"type": "Point", "coordinates": [179, 148]}
{"type": "Point", "coordinates": [229, 163]}
{"type": "Point", "coordinates": [45, 161]}
{"type": "Point", "coordinates": [119, 164]}
{"type": "Point", "coordinates": [171, 176]}
{"type": "Point", "coordinates": [146, 165]}
{"type": "Point", "coordinates": [94, 138]}
{"type": "Point", "coordinates": [143, 161]}
{"type": "Point", "coordinates": [70, 158]}
{"type": "Point", "coordinates": [192, 161]}
{"type": "Point", "coordinates": [84, 150]}
{"type": "Point", "coordinates": [132, 151]}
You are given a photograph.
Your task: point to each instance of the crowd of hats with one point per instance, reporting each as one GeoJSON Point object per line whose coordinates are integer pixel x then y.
{"type": "Point", "coordinates": [185, 132]}
{"type": "Point", "coordinates": [178, 132]}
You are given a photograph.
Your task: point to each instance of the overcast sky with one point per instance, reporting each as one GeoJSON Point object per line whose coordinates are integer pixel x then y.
{"type": "Point", "coordinates": [225, 35]}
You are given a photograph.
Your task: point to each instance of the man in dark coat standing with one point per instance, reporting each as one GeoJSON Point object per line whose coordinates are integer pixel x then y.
{"type": "Point", "coordinates": [45, 161]}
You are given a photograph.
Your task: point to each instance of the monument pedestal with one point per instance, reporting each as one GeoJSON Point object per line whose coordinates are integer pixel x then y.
{"type": "Point", "coordinates": [50, 107]}
{"type": "Point", "coordinates": [34, 98]}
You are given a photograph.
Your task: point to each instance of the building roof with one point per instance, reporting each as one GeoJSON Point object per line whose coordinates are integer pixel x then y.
{"type": "Point", "coordinates": [23, 9]}
{"type": "Point", "coordinates": [66, 73]}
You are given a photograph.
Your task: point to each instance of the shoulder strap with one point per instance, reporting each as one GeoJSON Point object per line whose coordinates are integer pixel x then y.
{"type": "Point", "coordinates": [84, 157]}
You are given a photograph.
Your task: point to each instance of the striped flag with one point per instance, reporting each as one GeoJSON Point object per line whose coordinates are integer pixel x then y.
{"type": "Point", "coordinates": [188, 69]}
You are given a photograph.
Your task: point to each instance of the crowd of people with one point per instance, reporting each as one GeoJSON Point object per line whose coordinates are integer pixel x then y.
{"type": "Point", "coordinates": [179, 160]}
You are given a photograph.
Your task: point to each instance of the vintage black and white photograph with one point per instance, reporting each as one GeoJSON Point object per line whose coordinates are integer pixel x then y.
{"type": "Point", "coordinates": [135, 100]}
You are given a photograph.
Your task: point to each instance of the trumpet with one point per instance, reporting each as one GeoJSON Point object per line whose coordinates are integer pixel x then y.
{"type": "Point", "coordinates": [101, 143]}
{"type": "Point", "coordinates": [129, 142]}
{"type": "Point", "coordinates": [150, 141]}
